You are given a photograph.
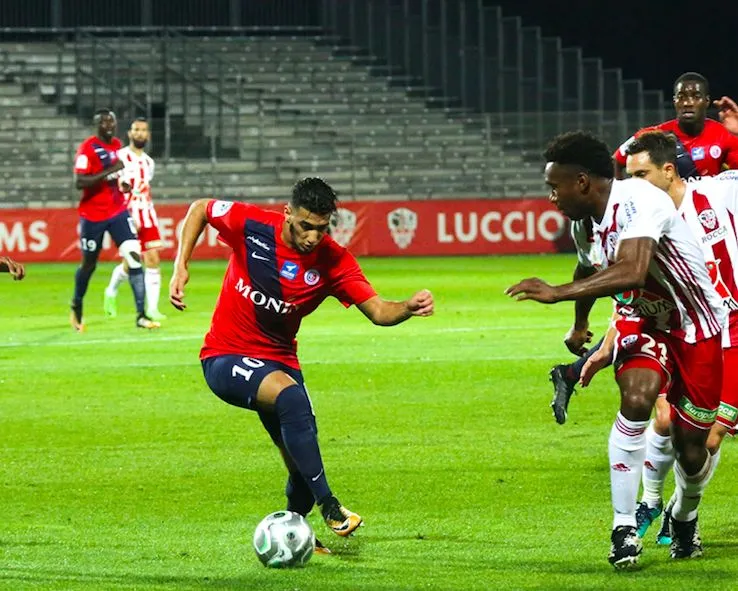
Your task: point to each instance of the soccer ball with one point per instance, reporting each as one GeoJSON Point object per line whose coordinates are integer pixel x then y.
{"type": "Point", "coordinates": [284, 539]}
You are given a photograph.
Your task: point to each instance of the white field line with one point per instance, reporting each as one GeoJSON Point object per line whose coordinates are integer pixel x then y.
{"type": "Point", "coordinates": [311, 334]}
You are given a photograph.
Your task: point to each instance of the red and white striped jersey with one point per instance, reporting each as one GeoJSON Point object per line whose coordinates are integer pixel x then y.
{"type": "Point", "coordinates": [710, 208]}
{"type": "Point", "coordinates": [138, 173]}
{"type": "Point", "coordinates": [678, 297]}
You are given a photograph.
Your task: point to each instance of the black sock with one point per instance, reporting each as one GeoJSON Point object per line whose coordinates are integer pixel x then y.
{"type": "Point", "coordinates": [81, 281]}
{"type": "Point", "coordinates": [299, 497]}
{"type": "Point", "coordinates": [301, 439]}
{"type": "Point", "coordinates": [574, 370]}
{"type": "Point", "coordinates": [136, 279]}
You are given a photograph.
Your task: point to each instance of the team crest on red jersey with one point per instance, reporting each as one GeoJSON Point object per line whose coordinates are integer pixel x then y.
{"type": "Point", "coordinates": [343, 225]}
{"type": "Point", "coordinates": [708, 219]}
{"type": "Point", "coordinates": [402, 223]}
{"type": "Point", "coordinates": [311, 277]}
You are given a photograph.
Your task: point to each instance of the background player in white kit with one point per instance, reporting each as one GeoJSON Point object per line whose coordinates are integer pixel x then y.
{"type": "Point", "coordinates": [135, 181]}
{"type": "Point", "coordinates": [708, 205]}
{"type": "Point", "coordinates": [667, 337]}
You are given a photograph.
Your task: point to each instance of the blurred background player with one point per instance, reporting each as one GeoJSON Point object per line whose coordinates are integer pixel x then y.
{"type": "Point", "coordinates": [282, 267]}
{"type": "Point", "coordinates": [666, 336]}
{"type": "Point", "coordinates": [136, 179]}
{"type": "Point", "coordinates": [711, 145]}
{"type": "Point", "coordinates": [16, 270]}
{"type": "Point", "coordinates": [704, 148]}
{"type": "Point", "coordinates": [102, 209]}
{"type": "Point", "coordinates": [708, 206]}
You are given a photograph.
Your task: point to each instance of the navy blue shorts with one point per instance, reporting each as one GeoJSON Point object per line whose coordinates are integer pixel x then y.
{"type": "Point", "coordinates": [120, 227]}
{"type": "Point", "coordinates": [236, 379]}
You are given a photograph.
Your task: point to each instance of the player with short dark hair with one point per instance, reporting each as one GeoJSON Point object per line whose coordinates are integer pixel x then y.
{"type": "Point", "coordinates": [704, 147]}
{"type": "Point", "coordinates": [708, 206]}
{"type": "Point", "coordinates": [283, 265]}
{"type": "Point", "coordinates": [709, 144]}
{"type": "Point", "coordinates": [665, 336]}
{"type": "Point", "coordinates": [102, 209]}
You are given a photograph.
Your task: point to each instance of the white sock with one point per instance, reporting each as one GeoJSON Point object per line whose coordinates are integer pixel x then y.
{"type": "Point", "coordinates": [659, 460]}
{"type": "Point", "coordinates": [152, 280]}
{"type": "Point", "coordinates": [627, 450]}
{"type": "Point", "coordinates": [119, 276]}
{"type": "Point", "coordinates": [689, 490]}
{"type": "Point", "coordinates": [715, 462]}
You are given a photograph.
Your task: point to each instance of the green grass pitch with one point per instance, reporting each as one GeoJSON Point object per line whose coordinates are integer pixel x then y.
{"type": "Point", "coordinates": [120, 470]}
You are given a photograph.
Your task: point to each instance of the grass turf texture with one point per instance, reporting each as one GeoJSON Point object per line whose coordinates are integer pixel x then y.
{"type": "Point", "coordinates": [120, 470]}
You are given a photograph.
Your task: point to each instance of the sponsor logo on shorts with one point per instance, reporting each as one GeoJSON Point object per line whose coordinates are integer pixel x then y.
{"type": "Point", "coordinates": [728, 413]}
{"type": "Point", "coordinates": [700, 415]}
{"type": "Point", "coordinates": [628, 341]}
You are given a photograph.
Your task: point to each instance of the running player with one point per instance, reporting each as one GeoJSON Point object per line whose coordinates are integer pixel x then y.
{"type": "Point", "coordinates": [283, 265]}
{"type": "Point", "coordinates": [666, 337]}
{"type": "Point", "coordinates": [708, 206]}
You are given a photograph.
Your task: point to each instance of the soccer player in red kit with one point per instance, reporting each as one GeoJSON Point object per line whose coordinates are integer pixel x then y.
{"type": "Point", "coordinates": [710, 144]}
{"type": "Point", "coordinates": [283, 265]}
{"type": "Point", "coordinates": [102, 209]}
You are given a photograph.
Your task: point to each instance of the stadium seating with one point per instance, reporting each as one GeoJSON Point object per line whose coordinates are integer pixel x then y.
{"type": "Point", "coordinates": [272, 109]}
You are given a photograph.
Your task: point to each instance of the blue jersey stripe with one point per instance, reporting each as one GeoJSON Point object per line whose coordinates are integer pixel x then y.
{"type": "Point", "coordinates": [263, 268]}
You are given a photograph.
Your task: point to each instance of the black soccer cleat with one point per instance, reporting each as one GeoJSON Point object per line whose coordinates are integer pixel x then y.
{"type": "Point", "coordinates": [563, 390]}
{"type": "Point", "coordinates": [685, 539]}
{"type": "Point", "coordinates": [626, 547]}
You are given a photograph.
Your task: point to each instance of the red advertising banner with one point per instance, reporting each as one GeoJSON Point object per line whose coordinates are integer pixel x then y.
{"type": "Point", "coordinates": [381, 228]}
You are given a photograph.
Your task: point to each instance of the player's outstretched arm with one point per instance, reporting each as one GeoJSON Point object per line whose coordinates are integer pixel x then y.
{"type": "Point", "coordinates": [194, 223]}
{"type": "Point", "coordinates": [387, 313]}
{"type": "Point", "coordinates": [16, 270]}
{"type": "Point", "coordinates": [84, 181]}
{"type": "Point", "coordinates": [629, 271]}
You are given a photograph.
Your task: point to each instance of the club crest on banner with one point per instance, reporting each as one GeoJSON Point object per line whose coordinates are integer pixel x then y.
{"type": "Point", "coordinates": [343, 225]}
{"type": "Point", "coordinates": [402, 223]}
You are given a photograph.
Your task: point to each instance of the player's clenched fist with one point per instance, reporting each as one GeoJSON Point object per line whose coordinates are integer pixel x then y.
{"type": "Point", "coordinates": [421, 304]}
